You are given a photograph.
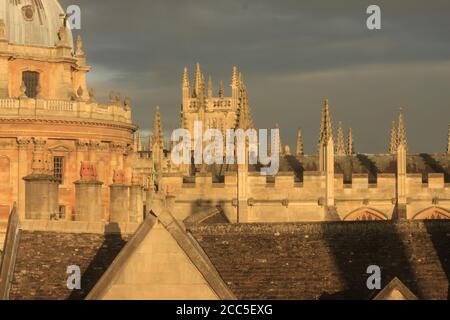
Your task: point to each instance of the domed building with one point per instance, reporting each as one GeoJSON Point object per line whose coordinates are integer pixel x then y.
{"type": "Point", "coordinates": [50, 122]}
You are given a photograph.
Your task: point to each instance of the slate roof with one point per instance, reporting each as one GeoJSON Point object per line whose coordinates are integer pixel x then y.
{"type": "Point", "coordinates": [328, 260]}
{"type": "Point", "coordinates": [43, 258]}
{"type": "Point", "coordinates": [261, 261]}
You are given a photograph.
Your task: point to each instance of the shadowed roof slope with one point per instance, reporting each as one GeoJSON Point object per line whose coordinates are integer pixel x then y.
{"type": "Point", "coordinates": [328, 260]}
{"type": "Point", "coordinates": [43, 258]}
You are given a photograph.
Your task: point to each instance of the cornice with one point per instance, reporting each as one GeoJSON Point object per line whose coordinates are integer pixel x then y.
{"type": "Point", "coordinates": [15, 56]}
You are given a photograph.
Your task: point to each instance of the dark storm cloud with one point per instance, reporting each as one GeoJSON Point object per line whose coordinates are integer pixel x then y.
{"type": "Point", "coordinates": [292, 53]}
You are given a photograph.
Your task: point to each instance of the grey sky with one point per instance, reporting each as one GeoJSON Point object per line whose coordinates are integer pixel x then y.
{"type": "Point", "coordinates": [293, 54]}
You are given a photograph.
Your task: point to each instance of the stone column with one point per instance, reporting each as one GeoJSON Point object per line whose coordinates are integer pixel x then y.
{"type": "Point", "coordinates": [136, 200]}
{"type": "Point", "coordinates": [118, 198]}
{"type": "Point", "coordinates": [88, 195]}
{"type": "Point", "coordinates": [41, 189]}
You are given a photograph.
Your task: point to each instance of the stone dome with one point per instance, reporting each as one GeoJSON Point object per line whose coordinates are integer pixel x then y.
{"type": "Point", "coordinates": [33, 22]}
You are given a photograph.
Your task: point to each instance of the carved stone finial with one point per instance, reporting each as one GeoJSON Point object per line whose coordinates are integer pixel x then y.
{"type": "Point", "coordinates": [79, 46]}
{"type": "Point", "coordinates": [112, 96]}
{"type": "Point", "coordinates": [287, 150]}
{"type": "Point", "coordinates": [127, 103]}
{"type": "Point", "coordinates": [88, 172]}
{"type": "Point", "coordinates": [23, 90]}
{"type": "Point", "coordinates": [91, 94]}
{"type": "Point", "coordinates": [62, 35]}
{"type": "Point", "coordinates": [119, 177]}
{"type": "Point", "coordinates": [119, 99]}
{"type": "Point", "coordinates": [80, 93]}
{"type": "Point", "coordinates": [39, 91]}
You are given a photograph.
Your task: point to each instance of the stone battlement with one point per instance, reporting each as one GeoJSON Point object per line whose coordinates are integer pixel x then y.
{"type": "Point", "coordinates": [281, 198]}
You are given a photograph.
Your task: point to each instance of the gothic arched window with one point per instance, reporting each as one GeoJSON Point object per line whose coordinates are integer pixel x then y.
{"type": "Point", "coordinates": [31, 81]}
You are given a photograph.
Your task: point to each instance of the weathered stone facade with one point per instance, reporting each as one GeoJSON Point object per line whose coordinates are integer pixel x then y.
{"type": "Point", "coordinates": [44, 98]}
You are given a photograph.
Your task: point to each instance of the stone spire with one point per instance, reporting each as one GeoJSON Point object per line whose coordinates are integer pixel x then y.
{"type": "Point", "coordinates": [393, 142]}
{"type": "Point", "coordinates": [299, 151]}
{"type": "Point", "coordinates": [448, 140]}
{"type": "Point", "coordinates": [157, 139]}
{"type": "Point", "coordinates": [199, 82]}
{"type": "Point", "coordinates": [401, 132]}
{"type": "Point", "coordinates": [186, 78]}
{"type": "Point", "coordinates": [401, 168]}
{"type": "Point", "coordinates": [186, 89]}
{"type": "Point", "coordinates": [235, 77]}
{"type": "Point", "coordinates": [235, 90]}
{"type": "Point", "coordinates": [349, 150]}
{"type": "Point", "coordinates": [326, 156]}
{"type": "Point", "coordinates": [157, 136]}
{"type": "Point", "coordinates": [210, 87]}
{"type": "Point", "coordinates": [326, 128]}
{"type": "Point", "coordinates": [340, 148]}
{"type": "Point", "coordinates": [221, 90]}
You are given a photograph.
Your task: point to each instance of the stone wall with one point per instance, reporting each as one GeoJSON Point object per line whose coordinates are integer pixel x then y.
{"type": "Point", "coordinates": [283, 199]}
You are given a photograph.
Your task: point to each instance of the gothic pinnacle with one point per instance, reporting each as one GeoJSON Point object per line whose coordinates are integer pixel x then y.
{"type": "Point", "coordinates": [157, 128]}
{"type": "Point", "coordinates": [401, 132]}
{"type": "Point", "coordinates": [393, 142]}
{"type": "Point", "coordinates": [210, 88]}
{"type": "Point", "coordinates": [299, 151]}
{"type": "Point", "coordinates": [350, 148]}
{"type": "Point", "coordinates": [198, 86]}
{"type": "Point", "coordinates": [186, 77]}
{"type": "Point", "coordinates": [221, 90]}
{"type": "Point", "coordinates": [340, 148]}
{"type": "Point", "coordinates": [235, 77]}
{"type": "Point", "coordinates": [79, 46]}
{"type": "Point", "coordinates": [448, 140]}
{"type": "Point", "coordinates": [326, 128]}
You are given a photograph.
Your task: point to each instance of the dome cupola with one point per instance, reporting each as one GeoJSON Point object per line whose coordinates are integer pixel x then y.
{"type": "Point", "coordinates": [34, 23]}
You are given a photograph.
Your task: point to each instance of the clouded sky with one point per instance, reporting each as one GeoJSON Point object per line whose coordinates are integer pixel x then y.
{"type": "Point", "coordinates": [293, 54]}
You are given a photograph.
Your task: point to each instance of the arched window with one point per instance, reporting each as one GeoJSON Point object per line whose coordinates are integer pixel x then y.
{"type": "Point", "coordinates": [433, 213]}
{"type": "Point", "coordinates": [31, 81]}
{"type": "Point", "coordinates": [365, 214]}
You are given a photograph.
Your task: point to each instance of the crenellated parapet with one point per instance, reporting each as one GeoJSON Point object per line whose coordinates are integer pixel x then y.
{"type": "Point", "coordinates": [281, 198]}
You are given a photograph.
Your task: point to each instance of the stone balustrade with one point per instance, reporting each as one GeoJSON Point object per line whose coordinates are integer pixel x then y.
{"type": "Point", "coordinates": [63, 109]}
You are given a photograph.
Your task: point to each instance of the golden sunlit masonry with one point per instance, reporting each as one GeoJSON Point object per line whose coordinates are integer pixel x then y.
{"type": "Point", "coordinates": [76, 177]}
